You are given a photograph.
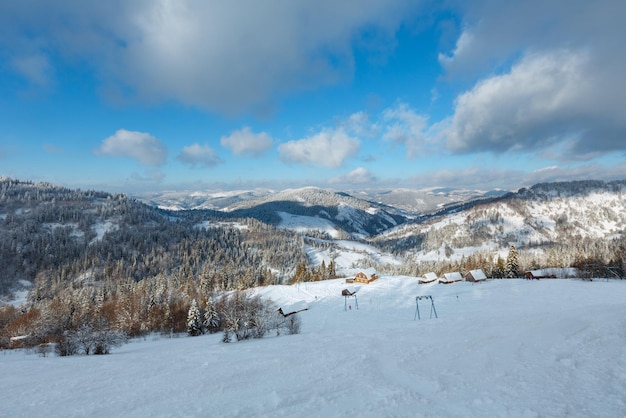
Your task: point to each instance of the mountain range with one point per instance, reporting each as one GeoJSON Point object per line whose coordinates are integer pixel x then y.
{"type": "Point", "coordinates": [264, 234]}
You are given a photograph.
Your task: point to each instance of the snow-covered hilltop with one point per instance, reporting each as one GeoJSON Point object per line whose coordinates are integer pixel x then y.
{"type": "Point", "coordinates": [503, 348]}
{"type": "Point", "coordinates": [581, 215]}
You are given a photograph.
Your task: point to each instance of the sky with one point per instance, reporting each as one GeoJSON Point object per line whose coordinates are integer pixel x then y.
{"type": "Point", "coordinates": [149, 95]}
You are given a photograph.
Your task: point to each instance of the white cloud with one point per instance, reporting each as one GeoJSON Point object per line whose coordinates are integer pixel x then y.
{"type": "Point", "coordinates": [404, 126]}
{"type": "Point", "coordinates": [220, 56]}
{"type": "Point", "coordinates": [199, 155]}
{"type": "Point", "coordinates": [246, 142]}
{"type": "Point", "coordinates": [555, 77]}
{"type": "Point", "coordinates": [137, 145]}
{"type": "Point", "coordinates": [547, 100]}
{"type": "Point", "coordinates": [357, 176]}
{"type": "Point", "coordinates": [359, 124]}
{"type": "Point", "coordinates": [495, 32]}
{"type": "Point", "coordinates": [518, 109]}
{"type": "Point", "coordinates": [328, 148]}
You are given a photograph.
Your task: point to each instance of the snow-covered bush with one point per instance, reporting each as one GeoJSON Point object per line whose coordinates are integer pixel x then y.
{"type": "Point", "coordinates": [96, 337]}
{"type": "Point", "coordinates": [249, 316]}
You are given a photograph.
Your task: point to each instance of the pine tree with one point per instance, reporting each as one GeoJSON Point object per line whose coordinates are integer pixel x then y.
{"type": "Point", "coordinates": [322, 271]}
{"type": "Point", "coordinates": [331, 270]}
{"type": "Point", "coordinates": [512, 263]}
{"type": "Point", "coordinates": [211, 318]}
{"type": "Point", "coordinates": [194, 322]}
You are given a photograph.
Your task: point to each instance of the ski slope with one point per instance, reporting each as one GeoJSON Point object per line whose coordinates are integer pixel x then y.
{"type": "Point", "coordinates": [506, 348]}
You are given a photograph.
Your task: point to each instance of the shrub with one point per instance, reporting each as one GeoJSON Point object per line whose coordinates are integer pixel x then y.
{"type": "Point", "coordinates": [252, 317]}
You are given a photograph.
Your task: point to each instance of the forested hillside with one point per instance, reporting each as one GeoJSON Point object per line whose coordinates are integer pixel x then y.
{"type": "Point", "coordinates": [53, 236]}
{"type": "Point", "coordinates": [581, 223]}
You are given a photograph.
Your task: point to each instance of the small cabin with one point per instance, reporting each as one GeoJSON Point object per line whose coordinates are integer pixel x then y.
{"type": "Point", "coordinates": [365, 277]}
{"type": "Point", "coordinates": [449, 278]}
{"type": "Point", "coordinates": [429, 277]}
{"type": "Point", "coordinates": [552, 273]}
{"type": "Point", "coordinates": [287, 310]}
{"type": "Point", "coordinates": [475, 276]}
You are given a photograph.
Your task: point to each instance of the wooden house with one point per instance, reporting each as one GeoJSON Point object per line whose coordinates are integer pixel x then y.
{"type": "Point", "coordinates": [449, 278]}
{"type": "Point", "coordinates": [475, 276]}
{"type": "Point", "coordinates": [429, 277]}
{"type": "Point", "coordinates": [365, 276]}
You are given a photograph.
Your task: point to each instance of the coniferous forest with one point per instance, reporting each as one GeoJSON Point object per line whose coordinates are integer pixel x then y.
{"type": "Point", "coordinates": [100, 268]}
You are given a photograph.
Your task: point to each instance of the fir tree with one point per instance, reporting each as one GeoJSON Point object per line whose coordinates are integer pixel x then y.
{"type": "Point", "coordinates": [194, 322]}
{"type": "Point", "coordinates": [512, 263]}
{"type": "Point", "coordinates": [211, 317]}
{"type": "Point", "coordinates": [331, 270]}
{"type": "Point", "coordinates": [499, 268]}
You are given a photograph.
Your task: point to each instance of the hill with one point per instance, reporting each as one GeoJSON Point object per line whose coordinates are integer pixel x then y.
{"type": "Point", "coordinates": [556, 223]}
{"type": "Point", "coordinates": [337, 214]}
{"type": "Point", "coordinates": [409, 201]}
{"type": "Point", "coordinates": [513, 348]}
{"type": "Point", "coordinates": [53, 237]}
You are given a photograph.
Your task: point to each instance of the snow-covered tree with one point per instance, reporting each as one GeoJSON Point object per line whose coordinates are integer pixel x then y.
{"type": "Point", "coordinates": [512, 262]}
{"type": "Point", "coordinates": [211, 317]}
{"type": "Point", "coordinates": [194, 321]}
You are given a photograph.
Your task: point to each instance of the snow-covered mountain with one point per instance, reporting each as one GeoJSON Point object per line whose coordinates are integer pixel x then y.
{"type": "Point", "coordinates": [434, 221]}
{"type": "Point", "coordinates": [571, 213]}
{"type": "Point", "coordinates": [408, 201]}
{"type": "Point", "coordinates": [340, 214]}
{"type": "Point", "coordinates": [196, 199]}
{"type": "Point", "coordinates": [424, 201]}
{"type": "Point", "coordinates": [311, 209]}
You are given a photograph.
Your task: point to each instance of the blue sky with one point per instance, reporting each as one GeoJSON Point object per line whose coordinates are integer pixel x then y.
{"type": "Point", "coordinates": [149, 95]}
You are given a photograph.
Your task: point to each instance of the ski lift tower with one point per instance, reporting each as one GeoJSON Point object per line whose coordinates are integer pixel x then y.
{"type": "Point", "coordinates": [348, 293]}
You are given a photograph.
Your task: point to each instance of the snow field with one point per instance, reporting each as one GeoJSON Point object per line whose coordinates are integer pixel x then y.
{"type": "Point", "coordinates": [512, 348]}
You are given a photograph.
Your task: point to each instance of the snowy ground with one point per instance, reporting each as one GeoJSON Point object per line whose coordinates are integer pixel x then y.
{"type": "Point", "coordinates": [504, 348]}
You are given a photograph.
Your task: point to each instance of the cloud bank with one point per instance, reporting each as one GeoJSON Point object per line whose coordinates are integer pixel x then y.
{"type": "Point", "coordinates": [220, 56]}
{"type": "Point", "coordinates": [558, 83]}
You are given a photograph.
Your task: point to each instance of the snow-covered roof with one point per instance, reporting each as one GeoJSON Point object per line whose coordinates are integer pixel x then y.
{"type": "Point", "coordinates": [369, 273]}
{"type": "Point", "coordinates": [453, 277]}
{"type": "Point", "coordinates": [478, 274]}
{"type": "Point", "coordinates": [559, 273]}
{"type": "Point", "coordinates": [430, 276]}
{"type": "Point", "coordinates": [294, 307]}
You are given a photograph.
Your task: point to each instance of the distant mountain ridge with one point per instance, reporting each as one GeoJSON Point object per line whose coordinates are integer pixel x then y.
{"type": "Point", "coordinates": [358, 214]}
{"type": "Point", "coordinates": [407, 201]}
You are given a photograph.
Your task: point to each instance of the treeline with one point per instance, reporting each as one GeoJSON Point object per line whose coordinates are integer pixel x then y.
{"type": "Point", "coordinates": [93, 317]}
{"type": "Point", "coordinates": [592, 258]}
